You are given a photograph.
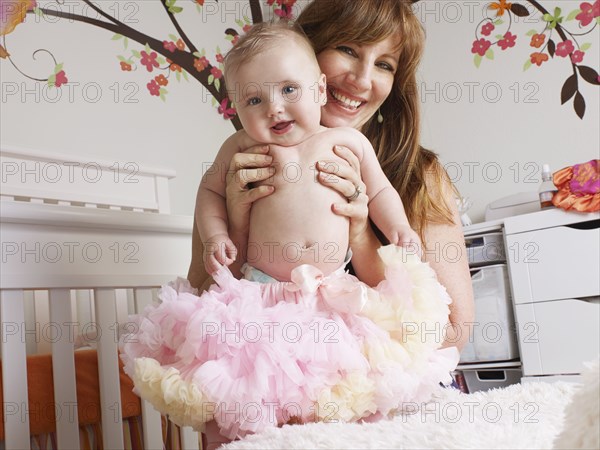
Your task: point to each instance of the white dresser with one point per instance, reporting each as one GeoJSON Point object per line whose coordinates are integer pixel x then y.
{"type": "Point", "coordinates": [536, 279]}
{"type": "Point", "coordinates": [554, 268]}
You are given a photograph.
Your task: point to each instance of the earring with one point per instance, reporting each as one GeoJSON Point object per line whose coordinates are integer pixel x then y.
{"type": "Point", "coordinates": [379, 116]}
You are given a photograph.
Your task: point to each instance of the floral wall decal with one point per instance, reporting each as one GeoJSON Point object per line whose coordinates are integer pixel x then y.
{"type": "Point", "coordinates": [495, 30]}
{"type": "Point", "coordinates": [164, 58]}
{"type": "Point", "coordinates": [173, 57]}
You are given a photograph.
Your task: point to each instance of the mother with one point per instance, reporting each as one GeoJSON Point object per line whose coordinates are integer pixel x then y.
{"type": "Point", "coordinates": [369, 51]}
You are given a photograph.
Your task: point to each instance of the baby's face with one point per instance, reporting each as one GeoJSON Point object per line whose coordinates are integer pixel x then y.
{"type": "Point", "coordinates": [278, 94]}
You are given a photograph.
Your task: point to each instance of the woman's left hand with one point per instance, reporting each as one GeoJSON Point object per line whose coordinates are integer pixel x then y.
{"type": "Point", "coordinates": [346, 179]}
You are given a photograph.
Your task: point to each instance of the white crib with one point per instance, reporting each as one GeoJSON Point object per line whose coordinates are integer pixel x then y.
{"type": "Point", "coordinates": [84, 243]}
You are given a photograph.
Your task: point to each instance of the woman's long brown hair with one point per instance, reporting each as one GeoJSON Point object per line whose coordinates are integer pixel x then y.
{"type": "Point", "coordinates": [413, 170]}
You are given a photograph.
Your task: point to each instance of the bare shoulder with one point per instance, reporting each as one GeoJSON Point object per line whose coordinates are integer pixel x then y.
{"type": "Point", "coordinates": [440, 186]}
{"type": "Point", "coordinates": [348, 137]}
{"type": "Point", "coordinates": [235, 143]}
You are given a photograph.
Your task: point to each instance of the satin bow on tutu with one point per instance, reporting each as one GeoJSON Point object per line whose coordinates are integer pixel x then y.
{"type": "Point", "coordinates": [339, 291]}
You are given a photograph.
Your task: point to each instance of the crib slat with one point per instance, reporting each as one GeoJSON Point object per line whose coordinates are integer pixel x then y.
{"type": "Point", "coordinates": [63, 370]}
{"type": "Point", "coordinates": [108, 368]}
{"type": "Point", "coordinates": [152, 429]}
{"type": "Point", "coordinates": [14, 371]}
{"type": "Point", "coordinates": [42, 319]}
{"type": "Point", "coordinates": [189, 439]}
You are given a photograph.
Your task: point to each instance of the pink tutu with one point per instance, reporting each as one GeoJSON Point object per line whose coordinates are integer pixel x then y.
{"type": "Point", "coordinates": [251, 355]}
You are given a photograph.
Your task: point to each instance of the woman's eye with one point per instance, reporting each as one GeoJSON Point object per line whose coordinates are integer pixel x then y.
{"type": "Point", "coordinates": [348, 50]}
{"type": "Point", "coordinates": [386, 66]}
{"type": "Point", "coordinates": [254, 101]}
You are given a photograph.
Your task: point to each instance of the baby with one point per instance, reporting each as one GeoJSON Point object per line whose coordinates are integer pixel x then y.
{"type": "Point", "coordinates": [274, 79]}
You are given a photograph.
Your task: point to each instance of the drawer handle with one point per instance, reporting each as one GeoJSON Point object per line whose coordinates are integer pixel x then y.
{"type": "Point", "coordinates": [589, 225]}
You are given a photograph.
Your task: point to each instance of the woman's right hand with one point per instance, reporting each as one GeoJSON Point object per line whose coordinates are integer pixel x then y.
{"type": "Point", "coordinates": [250, 166]}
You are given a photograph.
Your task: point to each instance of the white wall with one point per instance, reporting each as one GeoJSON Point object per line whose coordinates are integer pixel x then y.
{"type": "Point", "coordinates": [513, 118]}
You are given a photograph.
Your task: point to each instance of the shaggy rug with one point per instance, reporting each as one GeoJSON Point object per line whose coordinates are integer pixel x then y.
{"type": "Point", "coordinates": [524, 416]}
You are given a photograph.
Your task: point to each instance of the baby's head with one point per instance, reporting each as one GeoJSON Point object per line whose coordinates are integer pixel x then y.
{"type": "Point", "coordinates": [273, 77]}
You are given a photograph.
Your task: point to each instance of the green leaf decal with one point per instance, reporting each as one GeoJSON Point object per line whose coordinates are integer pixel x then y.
{"type": "Point", "coordinates": [573, 14]}
{"type": "Point", "coordinates": [489, 54]}
{"type": "Point", "coordinates": [477, 60]}
{"type": "Point", "coordinates": [527, 65]}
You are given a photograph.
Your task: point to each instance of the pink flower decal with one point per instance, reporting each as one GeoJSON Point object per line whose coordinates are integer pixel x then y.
{"type": "Point", "coordinates": [216, 72]}
{"type": "Point", "coordinates": [61, 78]}
{"type": "Point", "coordinates": [169, 45]}
{"type": "Point", "coordinates": [481, 46]}
{"type": "Point", "coordinates": [588, 13]}
{"type": "Point", "coordinates": [564, 49]}
{"type": "Point", "coordinates": [577, 56]}
{"type": "Point", "coordinates": [125, 67]}
{"type": "Point", "coordinates": [149, 60]}
{"type": "Point", "coordinates": [487, 29]}
{"type": "Point", "coordinates": [283, 14]}
{"type": "Point", "coordinates": [227, 113]}
{"type": "Point", "coordinates": [154, 88]}
{"type": "Point", "coordinates": [219, 57]}
{"type": "Point", "coordinates": [508, 41]}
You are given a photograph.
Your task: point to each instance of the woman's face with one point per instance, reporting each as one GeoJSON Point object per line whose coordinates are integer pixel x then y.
{"type": "Point", "coordinates": [359, 79]}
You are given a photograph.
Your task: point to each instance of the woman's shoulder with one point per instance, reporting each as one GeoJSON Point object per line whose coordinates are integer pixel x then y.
{"type": "Point", "coordinates": [435, 177]}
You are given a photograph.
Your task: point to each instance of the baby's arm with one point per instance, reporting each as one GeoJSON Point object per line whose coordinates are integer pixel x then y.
{"type": "Point", "coordinates": [211, 216]}
{"type": "Point", "coordinates": [385, 205]}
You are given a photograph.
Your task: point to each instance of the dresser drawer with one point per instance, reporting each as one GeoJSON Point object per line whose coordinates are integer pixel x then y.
{"type": "Point", "coordinates": [555, 263]}
{"type": "Point", "coordinates": [557, 337]}
{"type": "Point", "coordinates": [493, 336]}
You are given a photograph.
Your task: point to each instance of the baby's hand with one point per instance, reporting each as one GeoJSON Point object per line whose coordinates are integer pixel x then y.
{"type": "Point", "coordinates": [406, 237]}
{"type": "Point", "coordinates": [219, 251]}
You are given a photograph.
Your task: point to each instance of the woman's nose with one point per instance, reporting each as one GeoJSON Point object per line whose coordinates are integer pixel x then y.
{"type": "Point", "coordinates": [360, 76]}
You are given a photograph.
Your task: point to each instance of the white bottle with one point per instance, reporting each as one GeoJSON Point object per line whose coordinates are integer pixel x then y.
{"type": "Point", "coordinates": [547, 188]}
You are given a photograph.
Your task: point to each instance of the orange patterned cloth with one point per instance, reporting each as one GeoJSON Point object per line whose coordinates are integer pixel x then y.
{"type": "Point", "coordinates": [578, 187]}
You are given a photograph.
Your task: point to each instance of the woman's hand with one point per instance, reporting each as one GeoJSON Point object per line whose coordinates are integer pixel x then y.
{"type": "Point", "coordinates": [247, 167]}
{"type": "Point", "coordinates": [250, 166]}
{"type": "Point", "coordinates": [346, 180]}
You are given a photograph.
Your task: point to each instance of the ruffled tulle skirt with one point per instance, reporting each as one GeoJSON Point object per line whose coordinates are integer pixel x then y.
{"type": "Point", "coordinates": [252, 355]}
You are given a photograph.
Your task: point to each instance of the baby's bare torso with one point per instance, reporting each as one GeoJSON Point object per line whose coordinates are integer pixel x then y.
{"type": "Point", "coordinates": [296, 225]}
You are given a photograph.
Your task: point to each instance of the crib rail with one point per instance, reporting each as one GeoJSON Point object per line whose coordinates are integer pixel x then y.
{"type": "Point", "coordinates": [64, 268]}
{"type": "Point", "coordinates": [42, 176]}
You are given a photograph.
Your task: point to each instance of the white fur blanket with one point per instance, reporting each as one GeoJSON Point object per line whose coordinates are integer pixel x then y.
{"type": "Point", "coordinates": [519, 416]}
